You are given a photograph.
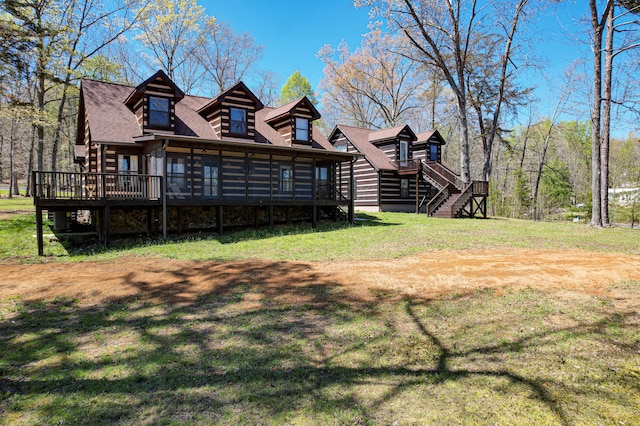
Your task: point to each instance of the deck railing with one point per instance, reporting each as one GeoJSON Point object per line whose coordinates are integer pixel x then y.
{"type": "Point", "coordinates": [95, 186]}
{"type": "Point", "coordinates": [480, 187]}
{"type": "Point", "coordinates": [407, 166]}
{"type": "Point", "coordinates": [120, 186]}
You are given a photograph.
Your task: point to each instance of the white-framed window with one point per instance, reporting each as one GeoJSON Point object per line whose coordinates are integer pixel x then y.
{"type": "Point", "coordinates": [238, 121]}
{"type": "Point", "coordinates": [404, 188]}
{"type": "Point", "coordinates": [403, 154]}
{"type": "Point", "coordinates": [127, 164]}
{"type": "Point", "coordinates": [322, 182]}
{"type": "Point", "coordinates": [302, 129]}
{"type": "Point", "coordinates": [159, 112]}
{"type": "Point", "coordinates": [433, 152]}
{"type": "Point", "coordinates": [286, 179]}
{"type": "Point", "coordinates": [176, 179]}
{"type": "Point", "coordinates": [211, 179]}
{"type": "Point", "coordinates": [341, 147]}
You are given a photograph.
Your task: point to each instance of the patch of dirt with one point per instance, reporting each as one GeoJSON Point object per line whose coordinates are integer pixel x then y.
{"type": "Point", "coordinates": [426, 276]}
{"type": "Point", "coordinates": [8, 214]}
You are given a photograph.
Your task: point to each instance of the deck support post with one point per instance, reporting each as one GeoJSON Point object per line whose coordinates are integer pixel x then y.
{"type": "Point", "coordinates": [314, 216]}
{"type": "Point", "coordinates": [164, 189]}
{"type": "Point", "coordinates": [220, 220]}
{"type": "Point", "coordinates": [256, 213]}
{"type": "Point", "coordinates": [417, 194]}
{"type": "Point", "coordinates": [352, 191]}
{"type": "Point", "coordinates": [271, 216]}
{"type": "Point", "coordinates": [106, 219]}
{"type": "Point", "coordinates": [39, 231]}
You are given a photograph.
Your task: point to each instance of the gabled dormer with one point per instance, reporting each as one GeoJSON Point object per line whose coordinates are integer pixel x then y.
{"type": "Point", "coordinates": [431, 142]}
{"type": "Point", "coordinates": [395, 142]}
{"type": "Point", "coordinates": [154, 104]}
{"type": "Point", "coordinates": [233, 112]}
{"type": "Point", "coordinates": [293, 121]}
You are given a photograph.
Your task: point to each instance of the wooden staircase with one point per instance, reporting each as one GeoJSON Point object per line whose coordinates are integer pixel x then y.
{"type": "Point", "coordinates": [455, 198]}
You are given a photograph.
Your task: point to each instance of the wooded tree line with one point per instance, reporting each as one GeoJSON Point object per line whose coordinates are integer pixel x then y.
{"type": "Point", "coordinates": [459, 66]}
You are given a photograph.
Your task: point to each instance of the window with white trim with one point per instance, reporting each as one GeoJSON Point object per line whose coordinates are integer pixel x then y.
{"type": "Point", "coordinates": [286, 179]}
{"type": "Point", "coordinates": [302, 129]}
{"type": "Point", "coordinates": [159, 112]}
{"type": "Point", "coordinates": [238, 121]}
{"type": "Point", "coordinates": [176, 179]}
{"type": "Point", "coordinates": [404, 188]}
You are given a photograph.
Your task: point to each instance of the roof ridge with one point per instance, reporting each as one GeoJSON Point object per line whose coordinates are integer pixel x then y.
{"type": "Point", "coordinates": [106, 82]}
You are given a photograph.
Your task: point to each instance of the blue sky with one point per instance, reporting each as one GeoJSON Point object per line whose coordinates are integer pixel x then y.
{"type": "Point", "coordinates": [293, 31]}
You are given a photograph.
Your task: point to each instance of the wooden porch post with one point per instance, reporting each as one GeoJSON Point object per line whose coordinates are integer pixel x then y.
{"type": "Point", "coordinates": [314, 194]}
{"type": "Point", "coordinates": [39, 229]}
{"type": "Point", "coordinates": [352, 189]}
{"type": "Point", "coordinates": [164, 188]}
{"type": "Point", "coordinates": [107, 219]}
{"type": "Point", "coordinates": [417, 194]}
{"type": "Point", "coordinates": [220, 220]}
{"type": "Point", "coordinates": [271, 216]}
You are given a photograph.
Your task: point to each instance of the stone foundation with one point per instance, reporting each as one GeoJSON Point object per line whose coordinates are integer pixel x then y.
{"type": "Point", "coordinates": [198, 218]}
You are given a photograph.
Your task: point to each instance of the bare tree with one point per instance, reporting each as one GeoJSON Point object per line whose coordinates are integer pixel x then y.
{"type": "Point", "coordinates": [172, 34]}
{"type": "Point", "coordinates": [228, 57]}
{"type": "Point", "coordinates": [451, 36]}
{"type": "Point", "coordinates": [607, 25]}
{"type": "Point", "coordinates": [375, 86]}
{"type": "Point", "coordinates": [490, 91]}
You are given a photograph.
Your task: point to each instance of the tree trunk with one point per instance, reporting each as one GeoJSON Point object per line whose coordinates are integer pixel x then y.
{"type": "Point", "coordinates": [596, 168]}
{"type": "Point", "coordinates": [11, 153]}
{"type": "Point", "coordinates": [606, 120]}
{"type": "Point", "coordinates": [30, 163]}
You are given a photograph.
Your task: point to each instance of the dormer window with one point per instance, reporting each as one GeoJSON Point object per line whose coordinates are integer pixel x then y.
{"type": "Point", "coordinates": [238, 121]}
{"type": "Point", "coordinates": [403, 153]}
{"type": "Point", "coordinates": [159, 112]}
{"type": "Point", "coordinates": [433, 152]}
{"type": "Point", "coordinates": [302, 129]}
{"type": "Point", "coordinates": [341, 146]}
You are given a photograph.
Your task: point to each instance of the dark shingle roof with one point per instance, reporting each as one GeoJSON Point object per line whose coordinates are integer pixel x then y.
{"type": "Point", "coordinates": [287, 108]}
{"type": "Point", "coordinates": [111, 120]}
{"type": "Point", "coordinates": [360, 139]}
{"type": "Point", "coordinates": [390, 133]}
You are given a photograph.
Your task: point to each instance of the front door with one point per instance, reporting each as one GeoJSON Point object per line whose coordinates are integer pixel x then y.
{"type": "Point", "coordinates": [404, 153]}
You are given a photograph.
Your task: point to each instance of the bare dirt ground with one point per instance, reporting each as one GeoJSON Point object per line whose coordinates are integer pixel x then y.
{"type": "Point", "coordinates": [425, 276]}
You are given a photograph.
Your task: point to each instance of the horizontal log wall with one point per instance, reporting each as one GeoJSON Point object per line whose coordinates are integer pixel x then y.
{"type": "Point", "coordinates": [366, 178]}
{"type": "Point", "coordinates": [244, 176]}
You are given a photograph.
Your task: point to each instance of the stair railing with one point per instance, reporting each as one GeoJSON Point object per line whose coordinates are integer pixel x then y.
{"type": "Point", "coordinates": [462, 200]}
{"type": "Point", "coordinates": [437, 201]}
{"type": "Point", "coordinates": [447, 173]}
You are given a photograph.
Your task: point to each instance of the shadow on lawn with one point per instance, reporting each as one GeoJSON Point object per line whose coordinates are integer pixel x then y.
{"type": "Point", "coordinates": [82, 244]}
{"type": "Point", "coordinates": [248, 352]}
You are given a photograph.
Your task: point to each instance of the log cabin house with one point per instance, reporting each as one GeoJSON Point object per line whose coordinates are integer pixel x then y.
{"type": "Point", "coordinates": [155, 160]}
{"type": "Point", "coordinates": [403, 171]}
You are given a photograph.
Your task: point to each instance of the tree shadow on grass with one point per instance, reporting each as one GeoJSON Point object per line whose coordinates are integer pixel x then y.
{"type": "Point", "coordinates": [76, 244]}
{"type": "Point", "coordinates": [257, 348]}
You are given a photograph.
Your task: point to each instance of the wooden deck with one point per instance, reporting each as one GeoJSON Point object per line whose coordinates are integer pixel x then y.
{"type": "Point", "coordinates": [101, 192]}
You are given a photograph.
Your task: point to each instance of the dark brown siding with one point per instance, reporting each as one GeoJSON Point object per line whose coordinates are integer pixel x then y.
{"type": "Point", "coordinates": [246, 177]}
{"type": "Point", "coordinates": [160, 89]}
{"type": "Point", "coordinates": [366, 177]}
{"type": "Point", "coordinates": [219, 117]}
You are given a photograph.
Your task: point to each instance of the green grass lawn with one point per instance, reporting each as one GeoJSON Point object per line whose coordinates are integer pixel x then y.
{"type": "Point", "coordinates": [374, 236]}
{"type": "Point", "coordinates": [242, 355]}
{"type": "Point", "coordinates": [523, 357]}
